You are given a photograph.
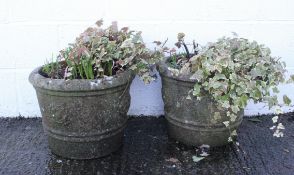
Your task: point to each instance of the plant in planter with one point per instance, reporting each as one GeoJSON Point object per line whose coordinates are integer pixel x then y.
{"type": "Point", "coordinates": [84, 95]}
{"type": "Point", "coordinates": [205, 94]}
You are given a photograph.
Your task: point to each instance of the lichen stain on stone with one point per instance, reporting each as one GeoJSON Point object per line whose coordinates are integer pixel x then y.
{"type": "Point", "coordinates": [94, 84]}
{"type": "Point", "coordinates": [108, 78]}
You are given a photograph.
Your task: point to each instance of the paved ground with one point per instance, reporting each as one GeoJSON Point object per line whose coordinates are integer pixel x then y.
{"type": "Point", "coordinates": [147, 150]}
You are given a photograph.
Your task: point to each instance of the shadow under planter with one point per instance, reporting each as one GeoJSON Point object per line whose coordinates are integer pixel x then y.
{"type": "Point", "coordinates": [192, 121]}
{"type": "Point", "coordinates": [83, 119]}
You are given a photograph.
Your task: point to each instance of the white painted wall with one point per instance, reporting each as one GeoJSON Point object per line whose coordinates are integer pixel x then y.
{"type": "Point", "coordinates": [31, 30]}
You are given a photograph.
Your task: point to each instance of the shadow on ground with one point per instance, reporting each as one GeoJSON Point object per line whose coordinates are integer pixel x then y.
{"type": "Point", "coordinates": [147, 150]}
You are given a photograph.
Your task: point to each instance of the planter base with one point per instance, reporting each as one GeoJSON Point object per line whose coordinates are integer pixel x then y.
{"type": "Point", "coordinates": [193, 135]}
{"type": "Point", "coordinates": [85, 150]}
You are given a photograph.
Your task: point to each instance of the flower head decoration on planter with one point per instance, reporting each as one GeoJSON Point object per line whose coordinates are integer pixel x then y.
{"type": "Point", "coordinates": [232, 71]}
{"type": "Point", "coordinates": [99, 53]}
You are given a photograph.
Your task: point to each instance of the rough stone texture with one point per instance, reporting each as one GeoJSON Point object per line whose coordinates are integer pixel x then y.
{"type": "Point", "coordinates": [83, 119]}
{"type": "Point", "coordinates": [147, 150]}
{"type": "Point", "coordinates": [192, 121]}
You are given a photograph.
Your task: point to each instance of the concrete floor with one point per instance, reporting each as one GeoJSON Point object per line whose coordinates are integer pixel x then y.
{"type": "Point", "coordinates": [147, 150]}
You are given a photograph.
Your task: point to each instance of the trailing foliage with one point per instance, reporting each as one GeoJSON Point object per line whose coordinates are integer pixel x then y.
{"type": "Point", "coordinates": [233, 71]}
{"type": "Point", "coordinates": [99, 52]}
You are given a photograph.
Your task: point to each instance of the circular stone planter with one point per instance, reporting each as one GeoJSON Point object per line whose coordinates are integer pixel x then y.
{"type": "Point", "coordinates": [83, 119]}
{"type": "Point", "coordinates": [192, 121]}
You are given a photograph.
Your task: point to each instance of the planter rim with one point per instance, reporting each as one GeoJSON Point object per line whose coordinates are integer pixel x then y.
{"type": "Point", "coordinates": [39, 81]}
{"type": "Point", "coordinates": [163, 70]}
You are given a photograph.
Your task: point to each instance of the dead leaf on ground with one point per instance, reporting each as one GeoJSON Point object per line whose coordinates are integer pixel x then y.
{"type": "Point", "coordinates": [174, 160]}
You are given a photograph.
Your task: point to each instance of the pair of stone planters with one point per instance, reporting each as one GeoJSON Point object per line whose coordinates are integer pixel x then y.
{"type": "Point", "coordinates": [85, 119]}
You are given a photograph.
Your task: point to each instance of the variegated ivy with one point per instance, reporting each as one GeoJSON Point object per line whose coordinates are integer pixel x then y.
{"type": "Point", "coordinates": [233, 71]}
{"type": "Point", "coordinates": [99, 52]}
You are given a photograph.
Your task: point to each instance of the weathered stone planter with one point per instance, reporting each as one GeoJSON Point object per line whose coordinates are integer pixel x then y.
{"type": "Point", "coordinates": [191, 121]}
{"type": "Point", "coordinates": [83, 119]}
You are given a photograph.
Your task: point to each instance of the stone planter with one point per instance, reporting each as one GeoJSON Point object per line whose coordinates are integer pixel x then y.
{"type": "Point", "coordinates": [191, 121]}
{"type": "Point", "coordinates": [83, 119]}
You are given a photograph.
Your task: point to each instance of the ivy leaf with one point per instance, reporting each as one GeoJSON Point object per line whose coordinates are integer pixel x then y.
{"type": "Point", "coordinates": [235, 109]}
{"type": "Point", "coordinates": [158, 43]}
{"type": "Point", "coordinates": [234, 133]}
{"type": "Point", "coordinates": [275, 119]}
{"type": "Point", "coordinates": [234, 34]}
{"type": "Point", "coordinates": [243, 101]}
{"type": "Point", "coordinates": [257, 94]}
{"type": "Point", "coordinates": [138, 38]}
{"type": "Point", "coordinates": [114, 27]}
{"type": "Point", "coordinates": [197, 159]}
{"type": "Point", "coordinates": [99, 23]}
{"type": "Point", "coordinates": [181, 36]}
{"type": "Point", "coordinates": [128, 43]}
{"type": "Point", "coordinates": [216, 84]}
{"type": "Point", "coordinates": [133, 67]}
{"type": "Point", "coordinates": [279, 111]}
{"type": "Point", "coordinates": [233, 117]}
{"type": "Point", "coordinates": [196, 90]}
{"type": "Point", "coordinates": [219, 76]}
{"type": "Point", "coordinates": [272, 101]}
{"type": "Point", "coordinates": [225, 104]}
{"type": "Point", "coordinates": [276, 90]}
{"type": "Point", "coordinates": [188, 97]}
{"type": "Point", "coordinates": [178, 44]}
{"type": "Point", "coordinates": [286, 100]}
{"type": "Point", "coordinates": [198, 75]}
{"type": "Point", "coordinates": [226, 123]}
{"type": "Point", "coordinates": [292, 77]}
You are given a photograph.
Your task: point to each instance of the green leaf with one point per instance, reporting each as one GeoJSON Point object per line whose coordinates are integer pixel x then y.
{"type": "Point", "coordinates": [133, 67]}
{"type": "Point", "coordinates": [276, 90]}
{"type": "Point", "coordinates": [226, 123]}
{"type": "Point", "coordinates": [233, 117]}
{"type": "Point", "coordinates": [216, 84]}
{"type": "Point", "coordinates": [197, 159]}
{"type": "Point", "coordinates": [196, 90]}
{"type": "Point", "coordinates": [243, 101]}
{"type": "Point", "coordinates": [235, 109]}
{"type": "Point", "coordinates": [272, 101]}
{"type": "Point", "coordinates": [286, 100]}
{"type": "Point", "coordinates": [234, 133]}
{"type": "Point", "coordinates": [99, 23]}
{"type": "Point", "coordinates": [257, 94]}
{"type": "Point", "coordinates": [188, 97]}
{"type": "Point", "coordinates": [225, 104]}
{"type": "Point", "coordinates": [219, 76]}
{"type": "Point", "coordinates": [292, 77]}
{"type": "Point", "coordinates": [198, 75]}
{"type": "Point", "coordinates": [181, 36]}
